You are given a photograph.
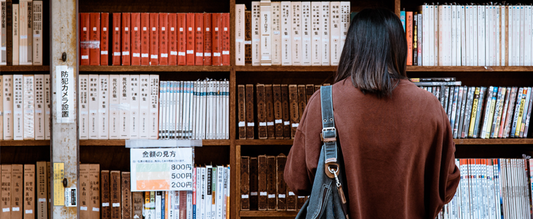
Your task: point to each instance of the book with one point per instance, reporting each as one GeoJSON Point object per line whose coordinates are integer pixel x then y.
{"type": "Point", "coordinates": [296, 33]}
{"type": "Point", "coordinates": [271, 183]}
{"type": "Point", "coordinates": [172, 39]}
{"type": "Point", "coordinates": [126, 39]}
{"type": "Point", "coordinates": [94, 38]}
{"type": "Point", "coordinates": [278, 111]}
{"type": "Point", "coordinates": [103, 109]}
{"type": "Point", "coordinates": [134, 101]}
{"type": "Point", "coordinates": [262, 129]}
{"type": "Point", "coordinates": [126, 195]}
{"type": "Point", "coordinates": [105, 194]}
{"type": "Point", "coordinates": [325, 30]}
{"type": "Point", "coordinates": [84, 38]}
{"type": "Point", "coordinates": [256, 33]}
{"type": "Point", "coordinates": [163, 38]}
{"type": "Point", "coordinates": [104, 39]}
{"type": "Point", "coordinates": [39, 107]}
{"type": "Point", "coordinates": [241, 115]}
{"type": "Point", "coordinates": [281, 186]}
{"type": "Point", "coordinates": [316, 40]}
{"type": "Point", "coordinates": [15, 35]}
{"type": "Point", "coordinates": [37, 26]}
{"type": "Point", "coordinates": [94, 191]}
{"type": "Point", "coordinates": [115, 194]}
{"type": "Point", "coordinates": [269, 111]}
{"type": "Point", "coordinates": [117, 49]}
{"type": "Point", "coordinates": [294, 108]}
{"type": "Point", "coordinates": [135, 42]}
{"type": "Point", "coordinates": [216, 39]}
{"type": "Point", "coordinates": [84, 194]}
{"type": "Point", "coordinates": [154, 39]}
{"type": "Point", "coordinates": [6, 186]}
{"type": "Point", "coordinates": [245, 183]}
{"type": "Point", "coordinates": [145, 38]}
{"type": "Point", "coordinates": [249, 98]}
{"type": "Point", "coordinates": [29, 192]}
{"type": "Point", "coordinates": [7, 99]}
{"type": "Point", "coordinates": [190, 38]}
{"type": "Point", "coordinates": [208, 37]}
{"type": "Point", "coordinates": [225, 39]}
{"type": "Point", "coordinates": [17, 190]}
{"type": "Point", "coordinates": [262, 188]}
{"type": "Point", "coordinates": [199, 39]}
{"type": "Point", "coordinates": [29, 107]}
{"type": "Point", "coordinates": [286, 33]}
{"type": "Point", "coordinates": [182, 38]}
{"type": "Point", "coordinates": [275, 33]}
{"type": "Point", "coordinates": [254, 198]}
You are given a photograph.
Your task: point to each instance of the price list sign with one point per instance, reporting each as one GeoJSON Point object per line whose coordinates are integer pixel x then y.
{"type": "Point", "coordinates": [161, 169]}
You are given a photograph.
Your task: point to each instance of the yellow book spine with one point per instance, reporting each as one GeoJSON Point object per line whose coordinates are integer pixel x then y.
{"type": "Point", "coordinates": [520, 113]}
{"type": "Point", "coordinates": [474, 112]}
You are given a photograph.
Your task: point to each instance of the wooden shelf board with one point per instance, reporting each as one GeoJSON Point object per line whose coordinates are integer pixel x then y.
{"type": "Point", "coordinates": [90, 68]}
{"type": "Point", "coordinates": [118, 142]}
{"type": "Point", "coordinates": [506, 141]}
{"type": "Point", "coordinates": [25, 68]}
{"type": "Point", "coordinates": [469, 68]}
{"type": "Point", "coordinates": [17, 143]}
{"type": "Point", "coordinates": [268, 213]}
{"type": "Point", "coordinates": [249, 68]}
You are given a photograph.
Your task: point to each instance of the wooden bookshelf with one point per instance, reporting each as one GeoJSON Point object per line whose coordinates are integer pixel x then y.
{"type": "Point", "coordinates": [24, 68]}
{"type": "Point", "coordinates": [249, 68]}
{"type": "Point", "coordinates": [282, 214]}
{"type": "Point", "coordinates": [94, 68]}
{"type": "Point", "coordinates": [471, 141]}
{"type": "Point", "coordinates": [103, 143]}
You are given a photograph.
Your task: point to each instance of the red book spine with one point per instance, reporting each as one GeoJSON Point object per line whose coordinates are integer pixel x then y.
{"type": "Point", "coordinates": [225, 39]}
{"type": "Point", "coordinates": [409, 36]}
{"type": "Point", "coordinates": [145, 39]}
{"type": "Point", "coordinates": [182, 39]}
{"type": "Point", "coordinates": [94, 37]}
{"type": "Point", "coordinates": [207, 39]}
{"type": "Point", "coordinates": [116, 39]}
{"type": "Point", "coordinates": [172, 39]}
{"type": "Point", "coordinates": [84, 38]}
{"type": "Point", "coordinates": [126, 38]}
{"type": "Point", "coordinates": [163, 38]}
{"type": "Point", "coordinates": [135, 39]}
{"type": "Point", "coordinates": [190, 38]}
{"type": "Point", "coordinates": [154, 39]}
{"type": "Point", "coordinates": [104, 39]}
{"type": "Point", "coordinates": [199, 39]}
{"type": "Point", "coordinates": [217, 50]}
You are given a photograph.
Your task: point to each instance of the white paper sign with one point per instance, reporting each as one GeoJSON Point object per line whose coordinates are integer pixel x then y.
{"type": "Point", "coordinates": [64, 89]}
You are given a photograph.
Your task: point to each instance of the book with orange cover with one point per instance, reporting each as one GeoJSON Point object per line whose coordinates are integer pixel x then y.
{"type": "Point", "coordinates": [84, 38]}
{"type": "Point", "coordinates": [225, 39]}
{"type": "Point", "coordinates": [17, 186]}
{"type": "Point", "coordinates": [163, 38]}
{"type": "Point", "coordinates": [126, 39]}
{"type": "Point", "coordinates": [29, 191]}
{"type": "Point", "coordinates": [104, 39]}
{"type": "Point", "coordinates": [207, 39]}
{"type": "Point", "coordinates": [5, 192]}
{"type": "Point", "coordinates": [116, 39]}
{"type": "Point", "coordinates": [190, 39]}
{"type": "Point", "coordinates": [154, 39]}
{"type": "Point", "coordinates": [145, 38]}
{"type": "Point", "coordinates": [135, 38]}
{"type": "Point", "coordinates": [172, 39]}
{"type": "Point", "coordinates": [409, 36]}
{"type": "Point", "coordinates": [94, 191]}
{"type": "Point", "coordinates": [94, 37]}
{"type": "Point", "coordinates": [42, 190]}
{"type": "Point", "coordinates": [84, 191]}
{"type": "Point", "coordinates": [199, 39]}
{"type": "Point", "coordinates": [216, 46]}
{"type": "Point", "coordinates": [182, 38]}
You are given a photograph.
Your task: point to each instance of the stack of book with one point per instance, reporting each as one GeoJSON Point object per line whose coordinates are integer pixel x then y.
{"type": "Point", "coordinates": [263, 187]}
{"type": "Point", "coordinates": [194, 110]}
{"type": "Point", "coordinates": [118, 106]}
{"type": "Point", "coordinates": [25, 107]}
{"type": "Point", "coordinates": [469, 35]}
{"type": "Point", "coordinates": [21, 32]}
{"type": "Point", "coordinates": [492, 188]}
{"type": "Point", "coordinates": [481, 112]}
{"type": "Point", "coordinates": [154, 39]}
{"type": "Point", "coordinates": [279, 109]}
{"type": "Point", "coordinates": [291, 33]}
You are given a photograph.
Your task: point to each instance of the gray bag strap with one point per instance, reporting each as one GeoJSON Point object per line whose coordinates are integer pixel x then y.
{"type": "Point", "coordinates": [329, 133]}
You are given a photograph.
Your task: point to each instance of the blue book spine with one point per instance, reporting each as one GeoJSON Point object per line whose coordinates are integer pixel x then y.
{"type": "Point", "coordinates": [163, 205]}
{"type": "Point", "coordinates": [402, 18]}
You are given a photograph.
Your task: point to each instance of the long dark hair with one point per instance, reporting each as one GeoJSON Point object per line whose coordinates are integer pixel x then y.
{"type": "Point", "coordinates": [375, 52]}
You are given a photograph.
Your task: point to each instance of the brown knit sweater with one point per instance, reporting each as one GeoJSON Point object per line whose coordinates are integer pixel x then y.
{"type": "Point", "coordinates": [398, 151]}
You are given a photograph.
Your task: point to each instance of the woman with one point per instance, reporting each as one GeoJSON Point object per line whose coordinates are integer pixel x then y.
{"type": "Point", "coordinates": [395, 138]}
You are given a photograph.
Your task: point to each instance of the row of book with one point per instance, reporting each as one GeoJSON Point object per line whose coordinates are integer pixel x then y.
{"type": "Point", "coordinates": [263, 187]}
{"type": "Point", "coordinates": [25, 107]}
{"type": "Point", "coordinates": [469, 35]}
{"type": "Point", "coordinates": [291, 33]}
{"type": "Point", "coordinates": [118, 106]}
{"type": "Point", "coordinates": [25, 191]}
{"type": "Point", "coordinates": [194, 109]}
{"type": "Point", "coordinates": [492, 188]}
{"type": "Point", "coordinates": [155, 39]}
{"type": "Point", "coordinates": [21, 32]}
{"type": "Point", "coordinates": [481, 112]}
{"type": "Point", "coordinates": [279, 109]}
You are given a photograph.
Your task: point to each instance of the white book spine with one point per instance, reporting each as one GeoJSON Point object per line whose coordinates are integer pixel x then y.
{"type": "Point", "coordinates": [39, 107]}
{"type": "Point", "coordinates": [335, 27]}
{"type": "Point", "coordinates": [466, 30]}
{"type": "Point", "coordinates": [296, 32]}
{"type": "Point", "coordinates": [503, 35]}
{"type": "Point", "coordinates": [510, 34]}
{"type": "Point", "coordinates": [226, 113]}
{"type": "Point", "coordinates": [37, 33]}
{"type": "Point", "coordinates": [436, 35]}
{"type": "Point", "coordinates": [103, 106]}
{"type": "Point", "coordinates": [276, 33]}
{"type": "Point", "coordinates": [187, 92]}
{"type": "Point", "coordinates": [84, 107]}
{"type": "Point", "coordinates": [516, 36]}
{"type": "Point", "coordinates": [522, 35]}
{"type": "Point", "coordinates": [306, 33]}
{"type": "Point", "coordinates": [325, 34]}
{"type": "Point", "coordinates": [462, 24]}
{"type": "Point", "coordinates": [124, 128]}
{"type": "Point", "coordinates": [1, 107]}
{"type": "Point", "coordinates": [8, 106]}
{"type": "Point", "coordinates": [266, 32]}
{"type": "Point", "coordinates": [16, 34]}
{"type": "Point", "coordinates": [160, 132]}
{"type": "Point", "coordinates": [256, 33]}
{"type": "Point", "coordinates": [189, 205]}
{"type": "Point", "coordinates": [29, 107]}
{"type": "Point", "coordinates": [431, 37]}
{"type": "Point", "coordinates": [497, 37]}
{"type": "Point", "coordinates": [135, 108]}
{"type": "Point", "coordinates": [3, 33]}
{"type": "Point", "coordinates": [453, 34]}
{"type": "Point", "coordinates": [471, 35]}
{"type": "Point", "coordinates": [47, 96]}
{"type": "Point", "coordinates": [481, 35]}
{"type": "Point", "coordinates": [23, 33]}
{"type": "Point", "coordinates": [220, 192]}
{"type": "Point", "coordinates": [204, 200]}
{"type": "Point", "coordinates": [239, 34]}
{"type": "Point", "coordinates": [441, 34]}
{"type": "Point", "coordinates": [93, 106]}
{"type": "Point", "coordinates": [425, 35]}
{"type": "Point", "coordinates": [345, 24]}
{"type": "Point", "coordinates": [114, 106]}
{"type": "Point", "coordinates": [154, 106]}
{"type": "Point", "coordinates": [488, 35]}
{"type": "Point", "coordinates": [158, 205]}
{"type": "Point", "coordinates": [316, 34]}
{"type": "Point", "coordinates": [144, 105]}
{"type": "Point", "coordinates": [528, 38]}
{"type": "Point", "coordinates": [286, 21]}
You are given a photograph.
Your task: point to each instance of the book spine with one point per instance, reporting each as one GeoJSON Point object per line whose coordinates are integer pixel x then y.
{"type": "Point", "coordinates": [269, 106]}
{"type": "Point", "coordinates": [286, 118]}
{"type": "Point", "coordinates": [154, 38]}
{"type": "Point", "coordinates": [3, 32]}
{"type": "Point", "coordinates": [239, 33]}
{"type": "Point", "coordinates": [126, 195]}
{"type": "Point", "coordinates": [278, 117]}
{"type": "Point", "coordinates": [518, 118]}
{"type": "Point", "coordinates": [190, 38]}
{"type": "Point", "coordinates": [94, 39]}
{"type": "Point", "coordinates": [261, 111]}
{"type": "Point", "coordinates": [1, 107]}
{"type": "Point", "coordinates": [145, 39]}
{"type": "Point", "coordinates": [527, 107]}
{"type": "Point", "coordinates": [409, 36]}
{"type": "Point", "coordinates": [182, 38]}
{"type": "Point", "coordinates": [271, 183]}
{"type": "Point", "coordinates": [225, 40]}
{"type": "Point", "coordinates": [199, 39]}
{"type": "Point", "coordinates": [335, 31]}
{"type": "Point", "coordinates": [85, 43]}
{"type": "Point", "coordinates": [47, 96]}
{"type": "Point", "coordinates": [154, 106]}
{"type": "Point", "coordinates": [510, 114]}
{"type": "Point", "coordinates": [256, 33]}
{"type": "Point", "coordinates": [116, 39]}
{"type": "Point", "coordinates": [16, 35]}
{"type": "Point", "coordinates": [103, 107]}
{"type": "Point", "coordinates": [250, 123]}
{"type": "Point", "coordinates": [293, 109]}
{"type": "Point", "coordinates": [262, 183]}
{"type": "Point", "coordinates": [104, 39]}
{"type": "Point", "coordinates": [528, 117]}
{"type": "Point", "coordinates": [93, 104]}
{"type": "Point", "coordinates": [84, 107]}
{"type": "Point", "coordinates": [37, 27]}
{"type": "Point", "coordinates": [505, 112]}
{"type": "Point", "coordinates": [18, 126]}
{"type": "Point", "coordinates": [468, 115]}
{"type": "Point", "coordinates": [281, 186]}
{"type": "Point", "coordinates": [479, 111]}
{"type": "Point", "coordinates": [245, 183]}
{"type": "Point", "coordinates": [94, 190]}
{"type": "Point", "coordinates": [145, 129]}
{"type": "Point", "coordinates": [415, 38]}
{"type": "Point", "coordinates": [135, 38]}
{"type": "Point", "coordinates": [84, 186]}
{"type": "Point", "coordinates": [114, 106]}
{"type": "Point", "coordinates": [135, 124]}
{"type": "Point", "coordinates": [29, 197]}
{"type": "Point", "coordinates": [517, 111]}
{"type": "Point", "coordinates": [29, 107]}
{"type": "Point", "coordinates": [163, 38]}
{"type": "Point", "coordinates": [208, 37]}
{"type": "Point", "coordinates": [138, 199]}
{"type": "Point", "coordinates": [29, 32]}
{"type": "Point", "coordinates": [217, 25]}
{"type": "Point", "coordinates": [17, 172]}
{"type": "Point", "coordinates": [498, 110]}
{"type": "Point", "coordinates": [115, 196]}
{"type": "Point", "coordinates": [325, 22]}
{"type": "Point", "coordinates": [39, 107]}
{"type": "Point", "coordinates": [316, 10]}
{"type": "Point", "coordinates": [275, 34]}
{"type": "Point", "coordinates": [241, 116]}
{"type": "Point", "coordinates": [286, 33]}
{"type": "Point", "coordinates": [173, 39]}
{"type": "Point", "coordinates": [302, 101]}
{"type": "Point", "coordinates": [125, 109]}
{"type": "Point", "coordinates": [126, 38]}
{"type": "Point", "coordinates": [265, 10]}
